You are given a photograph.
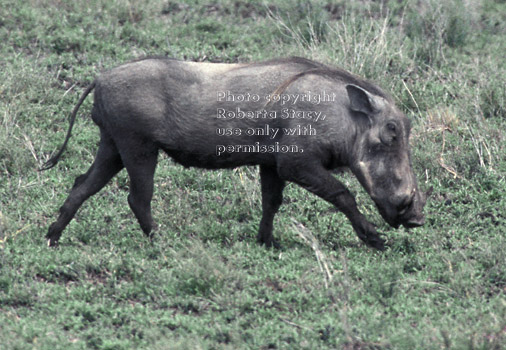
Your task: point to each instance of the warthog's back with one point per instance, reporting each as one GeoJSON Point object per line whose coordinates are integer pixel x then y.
{"type": "Point", "coordinates": [172, 102]}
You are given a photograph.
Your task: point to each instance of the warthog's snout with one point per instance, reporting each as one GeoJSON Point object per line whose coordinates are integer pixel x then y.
{"type": "Point", "coordinates": [415, 222]}
{"type": "Point", "coordinates": [411, 210]}
{"type": "Point", "coordinates": [405, 210]}
{"type": "Point", "coordinates": [405, 202]}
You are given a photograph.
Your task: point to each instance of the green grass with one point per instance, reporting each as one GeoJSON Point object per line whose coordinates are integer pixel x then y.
{"type": "Point", "coordinates": [204, 283]}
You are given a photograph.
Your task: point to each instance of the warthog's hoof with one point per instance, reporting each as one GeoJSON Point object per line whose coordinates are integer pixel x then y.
{"type": "Point", "coordinates": [375, 242]}
{"type": "Point", "coordinates": [52, 236]}
{"type": "Point", "coordinates": [52, 242]}
{"type": "Point", "coordinates": [272, 243]}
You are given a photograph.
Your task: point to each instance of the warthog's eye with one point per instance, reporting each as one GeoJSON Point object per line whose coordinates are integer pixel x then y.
{"type": "Point", "coordinates": [389, 134]}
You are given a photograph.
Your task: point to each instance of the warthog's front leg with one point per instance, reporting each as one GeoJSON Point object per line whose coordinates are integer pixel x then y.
{"type": "Point", "coordinates": [318, 180]}
{"type": "Point", "coordinates": [272, 196]}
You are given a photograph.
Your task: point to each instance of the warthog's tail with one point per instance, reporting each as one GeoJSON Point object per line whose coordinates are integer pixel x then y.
{"type": "Point", "coordinates": [54, 159]}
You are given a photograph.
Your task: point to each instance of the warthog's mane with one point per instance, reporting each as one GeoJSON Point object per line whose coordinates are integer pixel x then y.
{"type": "Point", "coordinates": [311, 68]}
{"type": "Point", "coordinates": [315, 68]}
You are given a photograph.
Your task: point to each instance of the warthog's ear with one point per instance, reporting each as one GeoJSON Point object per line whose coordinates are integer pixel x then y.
{"type": "Point", "coordinates": [361, 100]}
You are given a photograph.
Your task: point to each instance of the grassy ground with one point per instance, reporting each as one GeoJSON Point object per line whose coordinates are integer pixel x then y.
{"type": "Point", "coordinates": [204, 283]}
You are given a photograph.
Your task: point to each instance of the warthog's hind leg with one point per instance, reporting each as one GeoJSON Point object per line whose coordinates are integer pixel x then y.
{"type": "Point", "coordinates": [107, 163]}
{"type": "Point", "coordinates": [140, 157]}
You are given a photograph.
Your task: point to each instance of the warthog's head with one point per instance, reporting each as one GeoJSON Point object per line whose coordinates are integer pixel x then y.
{"type": "Point", "coordinates": [381, 159]}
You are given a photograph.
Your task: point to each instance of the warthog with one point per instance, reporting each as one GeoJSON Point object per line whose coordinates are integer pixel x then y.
{"type": "Point", "coordinates": [297, 119]}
